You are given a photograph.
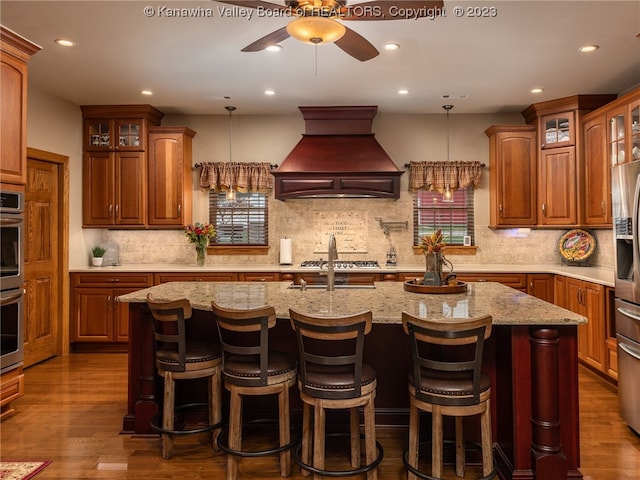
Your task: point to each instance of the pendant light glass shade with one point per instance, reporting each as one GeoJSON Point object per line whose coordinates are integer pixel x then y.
{"type": "Point", "coordinates": [316, 30]}
{"type": "Point", "coordinates": [231, 193]}
{"type": "Point", "coordinates": [447, 195]}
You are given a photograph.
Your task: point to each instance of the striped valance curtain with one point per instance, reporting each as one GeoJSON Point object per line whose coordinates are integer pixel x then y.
{"type": "Point", "coordinates": [437, 175]}
{"type": "Point", "coordinates": [243, 177]}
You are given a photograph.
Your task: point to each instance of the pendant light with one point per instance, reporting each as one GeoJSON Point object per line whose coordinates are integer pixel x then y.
{"type": "Point", "coordinates": [231, 193]}
{"type": "Point", "coordinates": [447, 195]}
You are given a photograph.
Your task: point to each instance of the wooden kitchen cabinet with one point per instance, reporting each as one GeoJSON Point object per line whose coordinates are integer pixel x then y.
{"type": "Point", "coordinates": [597, 173]}
{"type": "Point", "coordinates": [114, 189]}
{"type": "Point", "coordinates": [15, 53]}
{"type": "Point", "coordinates": [159, 278]}
{"type": "Point", "coordinates": [258, 276]}
{"type": "Point", "coordinates": [115, 164]}
{"type": "Point", "coordinates": [541, 285]}
{"type": "Point", "coordinates": [557, 187]}
{"type": "Point", "coordinates": [99, 322]}
{"type": "Point", "coordinates": [170, 176]}
{"type": "Point", "coordinates": [513, 280]}
{"type": "Point", "coordinates": [588, 299]}
{"type": "Point", "coordinates": [512, 175]}
{"type": "Point", "coordinates": [561, 193]}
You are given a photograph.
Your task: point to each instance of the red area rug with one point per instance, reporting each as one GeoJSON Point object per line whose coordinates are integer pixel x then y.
{"type": "Point", "coordinates": [21, 470]}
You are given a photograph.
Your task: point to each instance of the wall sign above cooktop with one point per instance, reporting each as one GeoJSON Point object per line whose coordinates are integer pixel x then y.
{"type": "Point", "coordinates": [349, 228]}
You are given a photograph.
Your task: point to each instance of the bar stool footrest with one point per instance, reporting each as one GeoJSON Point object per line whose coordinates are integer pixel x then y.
{"type": "Point", "coordinates": [447, 443]}
{"type": "Point", "coordinates": [155, 425]}
{"type": "Point", "coordinates": [223, 442]}
{"type": "Point", "coordinates": [340, 473]}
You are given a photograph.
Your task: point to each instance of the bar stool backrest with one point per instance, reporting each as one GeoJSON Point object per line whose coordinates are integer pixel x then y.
{"type": "Point", "coordinates": [252, 343]}
{"type": "Point", "coordinates": [169, 328]}
{"type": "Point", "coordinates": [456, 360]}
{"type": "Point", "coordinates": [318, 348]}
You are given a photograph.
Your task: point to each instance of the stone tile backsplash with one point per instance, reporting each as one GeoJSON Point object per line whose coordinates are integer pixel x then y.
{"type": "Point", "coordinates": [293, 219]}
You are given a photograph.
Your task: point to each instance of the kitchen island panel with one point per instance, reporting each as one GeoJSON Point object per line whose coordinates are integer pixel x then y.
{"type": "Point", "coordinates": [531, 358]}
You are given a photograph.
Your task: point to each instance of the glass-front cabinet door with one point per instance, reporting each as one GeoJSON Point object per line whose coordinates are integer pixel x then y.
{"type": "Point", "coordinates": [98, 134]}
{"type": "Point", "coordinates": [558, 130]}
{"type": "Point", "coordinates": [616, 136]}
{"type": "Point", "coordinates": [634, 116]}
{"type": "Point", "coordinates": [109, 134]}
{"type": "Point", "coordinates": [129, 135]}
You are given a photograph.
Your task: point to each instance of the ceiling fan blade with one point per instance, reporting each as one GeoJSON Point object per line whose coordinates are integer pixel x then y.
{"type": "Point", "coordinates": [390, 9]}
{"type": "Point", "coordinates": [357, 46]}
{"type": "Point", "coordinates": [254, 4]}
{"type": "Point", "coordinates": [271, 39]}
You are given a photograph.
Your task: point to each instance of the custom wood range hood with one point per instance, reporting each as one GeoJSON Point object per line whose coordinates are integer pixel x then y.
{"type": "Point", "coordinates": [338, 156]}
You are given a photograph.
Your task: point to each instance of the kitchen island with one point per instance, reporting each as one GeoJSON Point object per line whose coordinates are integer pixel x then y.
{"type": "Point", "coordinates": [531, 358]}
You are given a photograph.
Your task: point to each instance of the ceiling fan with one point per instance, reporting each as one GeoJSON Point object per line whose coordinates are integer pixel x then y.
{"type": "Point", "coordinates": [319, 21]}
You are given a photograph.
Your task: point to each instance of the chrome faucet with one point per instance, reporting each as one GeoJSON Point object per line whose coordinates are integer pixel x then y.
{"type": "Point", "coordinates": [333, 256]}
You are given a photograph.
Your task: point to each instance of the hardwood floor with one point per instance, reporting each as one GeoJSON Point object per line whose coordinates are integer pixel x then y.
{"type": "Point", "coordinates": [73, 409]}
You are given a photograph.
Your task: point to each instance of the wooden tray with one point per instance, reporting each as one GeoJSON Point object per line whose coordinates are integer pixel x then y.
{"type": "Point", "coordinates": [411, 286]}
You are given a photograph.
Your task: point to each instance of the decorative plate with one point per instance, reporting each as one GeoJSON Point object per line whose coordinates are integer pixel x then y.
{"type": "Point", "coordinates": [576, 245]}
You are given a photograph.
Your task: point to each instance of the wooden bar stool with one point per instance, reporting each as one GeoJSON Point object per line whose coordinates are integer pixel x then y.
{"type": "Point", "coordinates": [333, 376]}
{"type": "Point", "coordinates": [448, 381]}
{"type": "Point", "coordinates": [250, 368]}
{"type": "Point", "coordinates": [178, 358]}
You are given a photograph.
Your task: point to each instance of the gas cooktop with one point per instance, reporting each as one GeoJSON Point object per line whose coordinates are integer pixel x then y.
{"type": "Point", "coordinates": [341, 264]}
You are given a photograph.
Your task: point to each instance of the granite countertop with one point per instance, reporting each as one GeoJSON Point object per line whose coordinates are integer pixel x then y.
{"type": "Point", "coordinates": [603, 276]}
{"type": "Point", "coordinates": [387, 301]}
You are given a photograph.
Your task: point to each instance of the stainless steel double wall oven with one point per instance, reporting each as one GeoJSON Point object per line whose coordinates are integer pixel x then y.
{"type": "Point", "coordinates": [11, 279]}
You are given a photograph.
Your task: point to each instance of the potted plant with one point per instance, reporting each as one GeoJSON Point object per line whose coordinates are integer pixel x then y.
{"type": "Point", "coordinates": [97, 254]}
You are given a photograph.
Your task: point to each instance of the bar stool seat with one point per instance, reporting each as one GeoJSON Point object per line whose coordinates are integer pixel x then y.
{"type": "Point", "coordinates": [180, 358]}
{"type": "Point", "coordinates": [250, 368]}
{"type": "Point", "coordinates": [332, 376]}
{"type": "Point", "coordinates": [448, 382]}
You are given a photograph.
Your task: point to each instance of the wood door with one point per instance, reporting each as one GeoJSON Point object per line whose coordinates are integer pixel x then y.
{"type": "Point", "coordinates": [97, 189]}
{"type": "Point", "coordinates": [541, 285]}
{"type": "Point", "coordinates": [42, 277]}
{"type": "Point", "coordinates": [121, 315]}
{"type": "Point", "coordinates": [557, 187]}
{"type": "Point", "coordinates": [13, 97]}
{"type": "Point", "coordinates": [131, 191]}
{"type": "Point", "coordinates": [92, 315]}
{"type": "Point", "coordinates": [597, 174]}
{"type": "Point", "coordinates": [165, 179]}
{"type": "Point", "coordinates": [595, 342]}
{"type": "Point", "coordinates": [512, 176]}
{"type": "Point", "coordinates": [575, 303]}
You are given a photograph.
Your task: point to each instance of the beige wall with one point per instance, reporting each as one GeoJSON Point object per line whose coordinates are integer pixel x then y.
{"type": "Point", "coordinates": [55, 125]}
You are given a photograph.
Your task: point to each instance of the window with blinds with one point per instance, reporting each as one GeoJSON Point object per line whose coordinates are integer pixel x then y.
{"type": "Point", "coordinates": [243, 222]}
{"type": "Point", "coordinates": [455, 218]}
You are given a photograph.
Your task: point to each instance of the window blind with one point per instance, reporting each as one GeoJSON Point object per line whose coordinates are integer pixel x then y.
{"type": "Point", "coordinates": [455, 219]}
{"type": "Point", "coordinates": [244, 222]}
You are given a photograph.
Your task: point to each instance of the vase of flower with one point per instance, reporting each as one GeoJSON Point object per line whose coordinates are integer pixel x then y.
{"type": "Point", "coordinates": [201, 251]}
{"type": "Point", "coordinates": [434, 263]}
{"type": "Point", "coordinates": [200, 234]}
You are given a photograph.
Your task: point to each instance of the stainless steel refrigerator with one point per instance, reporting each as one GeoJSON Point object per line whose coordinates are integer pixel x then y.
{"type": "Point", "coordinates": [625, 190]}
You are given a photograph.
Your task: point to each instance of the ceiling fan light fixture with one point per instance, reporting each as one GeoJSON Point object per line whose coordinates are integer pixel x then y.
{"type": "Point", "coordinates": [316, 30]}
{"type": "Point", "coordinates": [274, 48]}
{"type": "Point", "coordinates": [391, 46]}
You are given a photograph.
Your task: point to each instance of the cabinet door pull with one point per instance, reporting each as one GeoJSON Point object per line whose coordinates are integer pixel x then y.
{"type": "Point", "coordinates": [179, 209]}
{"type": "Point", "coordinates": [110, 209]}
{"type": "Point", "coordinates": [117, 209]}
{"type": "Point", "coordinates": [501, 210]}
{"type": "Point", "coordinates": [603, 207]}
{"type": "Point", "coordinates": [544, 209]}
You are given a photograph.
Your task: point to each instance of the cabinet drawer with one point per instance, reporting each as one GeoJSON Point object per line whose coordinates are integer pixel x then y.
{"type": "Point", "coordinates": [259, 277]}
{"type": "Point", "coordinates": [513, 280]}
{"type": "Point", "coordinates": [11, 386]}
{"type": "Point", "coordinates": [159, 278]}
{"type": "Point", "coordinates": [111, 279]}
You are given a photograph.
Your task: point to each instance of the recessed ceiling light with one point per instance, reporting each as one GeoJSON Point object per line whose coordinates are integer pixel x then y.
{"type": "Point", "coordinates": [269, 92]}
{"type": "Point", "coordinates": [588, 48]}
{"type": "Point", "coordinates": [274, 48]}
{"type": "Point", "coordinates": [146, 92]}
{"type": "Point", "coordinates": [391, 46]}
{"type": "Point", "coordinates": [537, 90]}
{"type": "Point", "coordinates": [403, 91]}
{"type": "Point", "coordinates": [63, 42]}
